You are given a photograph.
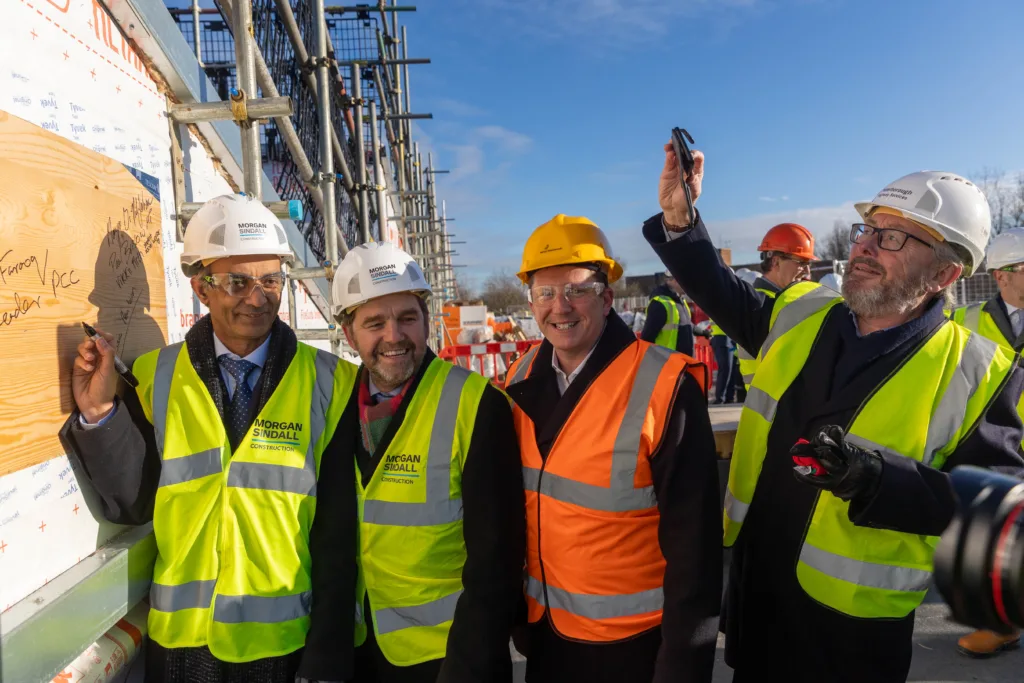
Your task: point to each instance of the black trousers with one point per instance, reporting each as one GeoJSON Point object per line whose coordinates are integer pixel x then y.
{"type": "Point", "coordinates": [553, 659]}
{"type": "Point", "coordinates": [198, 665]}
{"type": "Point", "coordinates": [373, 667]}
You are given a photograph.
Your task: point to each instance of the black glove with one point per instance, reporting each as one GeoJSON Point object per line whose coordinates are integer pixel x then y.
{"type": "Point", "coordinates": [831, 463]}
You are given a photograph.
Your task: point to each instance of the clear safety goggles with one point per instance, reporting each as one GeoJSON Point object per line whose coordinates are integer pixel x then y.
{"type": "Point", "coordinates": [545, 295]}
{"type": "Point", "coordinates": [241, 286]}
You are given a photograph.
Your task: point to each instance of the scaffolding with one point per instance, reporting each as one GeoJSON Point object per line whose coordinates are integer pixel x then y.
{"type": "Point", "coordinates": [346, 150]}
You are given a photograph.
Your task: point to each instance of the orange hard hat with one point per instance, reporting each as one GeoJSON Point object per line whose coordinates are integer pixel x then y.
{"type": "Point", "coordinates": [790, 238]}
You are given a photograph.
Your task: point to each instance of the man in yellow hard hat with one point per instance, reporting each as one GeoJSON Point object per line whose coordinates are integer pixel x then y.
{"type": "Point", "coordinates": [623, 555]}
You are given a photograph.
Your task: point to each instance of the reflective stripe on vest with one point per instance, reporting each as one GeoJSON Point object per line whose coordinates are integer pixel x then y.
{"type": "Point", "coordinates": [439, 507]}
{"type": "Point", "coordinates": [596, 606]}
{"type": "Point", "coordinates": [621, 495]}
{"type": "Point", "coordinates": [238, 619]}
{"type": "Point", "coordinates": [748, 362]}
{"type": "Point", "coordinates": [675, 313]}
{"type": "Point", "coordinates": [412, 551]}
{"type": "Point", "coordinates": [522, 367]}
{"type": "Point", "coordinates": [596, 484]}
{"type": "Point", "coordinates": [860, 571]}
{"type": "Point", "coordinates": [977, 319]}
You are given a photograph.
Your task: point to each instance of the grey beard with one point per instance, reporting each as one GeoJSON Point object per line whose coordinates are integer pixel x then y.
{"type": "Point", "coordinates": [888, 298]}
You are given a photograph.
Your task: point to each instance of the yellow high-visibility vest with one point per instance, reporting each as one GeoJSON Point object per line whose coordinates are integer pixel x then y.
{"type": "Point", "coordinates": [232, 529]}
{"type": "Point", "coordinates": [411, 547]}
{"type": "Point", "coordinates": [942, 390]}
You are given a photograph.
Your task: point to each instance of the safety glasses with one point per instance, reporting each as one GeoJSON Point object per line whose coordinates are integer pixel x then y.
{"type": "Point", "coordinates": [241, 286]}
{"type": "Point", "coordinates": [545, 295]}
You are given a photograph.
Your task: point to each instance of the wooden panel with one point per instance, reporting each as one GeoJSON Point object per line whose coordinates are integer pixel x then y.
{"type": "Point", "coordinates": [80, 239]}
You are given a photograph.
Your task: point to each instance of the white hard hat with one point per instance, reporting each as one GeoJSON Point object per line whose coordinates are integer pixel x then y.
{"type": "Point", "coordinates": [1007, 249]}
{"type": "Point", "coordinates": [232, 225]}
{"type": "Point", "coordinates": [372, 270]}
{"type": "Point", "coordinates": [747, 275]}
{"type": "Point", "coordinates": [832, 281]}
{"type": "Point", "coordinates": [949, 204]}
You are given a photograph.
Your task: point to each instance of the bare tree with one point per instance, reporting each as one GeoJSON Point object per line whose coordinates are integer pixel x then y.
{"type": "Point", "coordinates": [465, 287]}
{"type": "Point", "coordinates": [1005, 196]}
{"type": "Point", "coordinates": [836, 245]}
{"type": "Point", "coordinates": [503, 293]}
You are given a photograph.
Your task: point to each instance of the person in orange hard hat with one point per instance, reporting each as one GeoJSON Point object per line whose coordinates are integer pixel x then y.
{"type": "Point", "coordinates": [623, 561]}
{"type": "Point", "coordinates": [787, 251]}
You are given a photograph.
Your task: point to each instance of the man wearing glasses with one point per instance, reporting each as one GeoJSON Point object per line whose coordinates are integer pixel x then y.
{"type": "Point", "coordinates": [623, 557]}
{"type": "Point", "coordinates": [1001, 319]}
{"type": "Point", "coordinates": [787, 251]}
{"type": "Point", "coordinates": [859, 406]}
{"type": "Point", "coordinates": [237, 445]}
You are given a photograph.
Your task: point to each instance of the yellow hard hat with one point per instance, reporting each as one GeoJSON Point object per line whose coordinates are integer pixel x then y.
{"type": "Point", "coordinates": [567, 240]}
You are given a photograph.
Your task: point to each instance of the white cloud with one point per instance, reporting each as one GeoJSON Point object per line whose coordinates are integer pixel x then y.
{"type": "Point", "coordinates": [766, 199]}
{"type": "Point", "coordinates": [456, 108]}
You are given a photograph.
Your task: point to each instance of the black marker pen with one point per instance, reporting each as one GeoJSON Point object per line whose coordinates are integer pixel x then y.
{"type": "Point", "coordinates": [119, 365]}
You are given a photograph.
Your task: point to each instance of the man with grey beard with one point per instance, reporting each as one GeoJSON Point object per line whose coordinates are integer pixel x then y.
{"type": "Point", "coordinates": [442, 527]}
{"type": "Point", "coordinates": [859, 407]}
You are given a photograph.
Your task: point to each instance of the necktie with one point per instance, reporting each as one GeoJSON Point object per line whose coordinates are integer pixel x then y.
{"type": "Point", "coordinates": [237, 412]}
{"type": "Point", "coordinates": [1017, 321]}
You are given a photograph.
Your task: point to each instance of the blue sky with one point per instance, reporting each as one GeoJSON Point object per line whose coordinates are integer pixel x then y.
{"type": "Point", "coordinates": [802, 107]}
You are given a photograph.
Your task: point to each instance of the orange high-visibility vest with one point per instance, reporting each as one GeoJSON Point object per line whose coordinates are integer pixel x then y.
{"type": "Point", "coordinates": [593, 558]}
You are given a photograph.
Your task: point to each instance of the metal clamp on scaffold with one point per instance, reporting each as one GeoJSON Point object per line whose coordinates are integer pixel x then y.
{"type": "Point", "coordinates": [238, 108]}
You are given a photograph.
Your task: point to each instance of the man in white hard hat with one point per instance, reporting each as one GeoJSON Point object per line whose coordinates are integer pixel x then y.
{"type": "Point", "coordinates": [861, 404]}
{"type": "Point", "coordinates": [236, 445]}
{"type": "Point", "coordinates": [1001, 319]}
{"type": "Point", "coordinates": [439, 489]}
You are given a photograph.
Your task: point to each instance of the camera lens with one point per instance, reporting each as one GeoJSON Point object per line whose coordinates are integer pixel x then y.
{"type": "Point", "coordinates": [979, 562]}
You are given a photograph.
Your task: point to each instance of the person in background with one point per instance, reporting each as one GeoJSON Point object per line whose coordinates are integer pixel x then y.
{"type": "Point", "coordinates": [787, 251]}
{"type": "Point", "coordinates": [624, 561]}
{"type": "Point", "coordinates": [668, 321]}
{"type": "Point", "coordinates": [237, 445]}
{"type": "Point", "coordinates": [440, 493]}
{"type": "Point", "coordinates": [861, 405]}
{"type": "Point", "coordinates": [1000, 319]}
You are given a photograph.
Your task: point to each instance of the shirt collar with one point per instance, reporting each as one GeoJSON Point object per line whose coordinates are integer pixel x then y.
{"type": "Point", "coordinates": [575, 373]}
{"type": "Point", "coordinates": [257, 357]}
{"type": "Point", "coordinates": [377, 393]}
{"type": "Point", "coordinates": [1010, 308]}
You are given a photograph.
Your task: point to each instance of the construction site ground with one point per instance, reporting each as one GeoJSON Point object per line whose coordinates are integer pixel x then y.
{"type": "Point", "coordinates": [936, 659]}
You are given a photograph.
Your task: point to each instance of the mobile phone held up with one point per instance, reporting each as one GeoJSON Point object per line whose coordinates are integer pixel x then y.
{"type": "Point", "coordinates": [685, 159]}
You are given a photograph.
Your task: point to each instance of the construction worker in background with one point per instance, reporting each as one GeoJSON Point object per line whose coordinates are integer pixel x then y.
{"type": "Point", "coordinates": [236, 445]}
{"type": "Point", "coordinates": [623, 554]}
{"type": "Point", "coordinates": [860, 406]}
{"type": "Point", "coordinates": [722, 348]}
{"type": "Point", "coordinates": [1001, 319]}
{"type": "Point", "coordinates": [787, 251]}
{"type": "Point", "coordinates": [439, 489]}
{"type": "Point", "coordinates": [668, 320]}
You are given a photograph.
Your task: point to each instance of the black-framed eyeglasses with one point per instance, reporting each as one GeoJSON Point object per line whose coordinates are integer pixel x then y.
{"type": "Point", "coordinates": [544, 295]}
{"type": "Point", "coordinates": [889, 239]}
{"type": "Point", "coordinates": [241, 286]}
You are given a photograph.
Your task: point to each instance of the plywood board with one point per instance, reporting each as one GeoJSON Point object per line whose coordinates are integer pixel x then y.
{"type": "Point", "coordinates": [80, 239]}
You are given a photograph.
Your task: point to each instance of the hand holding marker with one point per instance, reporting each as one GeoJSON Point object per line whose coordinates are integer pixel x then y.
{"type": "Point", "coordinates": [119, 365]}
